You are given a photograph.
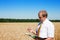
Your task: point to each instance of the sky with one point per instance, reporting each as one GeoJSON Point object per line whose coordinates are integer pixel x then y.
{"type": "Point", "coordinates": [28, 9]}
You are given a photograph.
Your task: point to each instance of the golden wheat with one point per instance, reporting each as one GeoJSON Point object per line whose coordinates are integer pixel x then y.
{"type": "Point", "coordinates": [16, 31]}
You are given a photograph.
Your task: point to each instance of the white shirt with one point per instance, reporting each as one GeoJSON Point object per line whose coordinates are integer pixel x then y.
{"type": "Point", "coordinates": [47, 29]}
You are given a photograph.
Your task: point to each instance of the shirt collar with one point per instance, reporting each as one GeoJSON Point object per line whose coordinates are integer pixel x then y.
{"type": "Point", "coordinates": [45, 20]}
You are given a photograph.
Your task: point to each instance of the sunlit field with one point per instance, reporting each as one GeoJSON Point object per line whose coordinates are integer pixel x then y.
{"type": "Point", "coordinates": [16, 31]}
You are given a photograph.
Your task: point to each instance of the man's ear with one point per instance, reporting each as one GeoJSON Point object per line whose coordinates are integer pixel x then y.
{"type": "Point", "coordinates": [43, 15]}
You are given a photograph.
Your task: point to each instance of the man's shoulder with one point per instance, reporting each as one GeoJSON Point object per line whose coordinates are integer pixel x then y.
{"type": "Point", "coordinates": [49, 23]}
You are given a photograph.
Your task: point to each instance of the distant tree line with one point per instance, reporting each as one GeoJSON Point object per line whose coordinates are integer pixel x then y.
{"type": "Point", "coordinates": [23, 20]}
{"type": "Point", "coordinates": [18, 20]}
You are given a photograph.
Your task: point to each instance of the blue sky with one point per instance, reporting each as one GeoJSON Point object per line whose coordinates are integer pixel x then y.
{"type": "Point", "coordinates": [28, 9]}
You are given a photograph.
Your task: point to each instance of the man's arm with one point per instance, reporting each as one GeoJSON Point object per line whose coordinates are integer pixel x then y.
{"type": "Point", "coordinates": [50, 32]}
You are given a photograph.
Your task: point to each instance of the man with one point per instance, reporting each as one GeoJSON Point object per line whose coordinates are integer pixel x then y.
{"type": "Point", "coordinates": [45, 29]}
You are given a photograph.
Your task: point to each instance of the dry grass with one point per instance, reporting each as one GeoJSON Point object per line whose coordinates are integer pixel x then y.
{"type": "Point", "coordinates": [16, 31]}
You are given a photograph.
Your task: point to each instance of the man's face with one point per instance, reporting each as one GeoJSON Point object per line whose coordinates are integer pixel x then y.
{"type": "Point", "coordinates": [41, 18]}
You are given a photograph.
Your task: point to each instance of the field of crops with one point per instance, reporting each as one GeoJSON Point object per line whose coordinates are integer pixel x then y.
{"type": "Point", "coordinates": [16, 31]}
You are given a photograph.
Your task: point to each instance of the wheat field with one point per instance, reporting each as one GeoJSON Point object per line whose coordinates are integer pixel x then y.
{"type": "Point", "coordinates": [16, 31]}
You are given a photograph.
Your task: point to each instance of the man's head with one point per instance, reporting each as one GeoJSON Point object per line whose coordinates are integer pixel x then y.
{"type": "Point", "coordinates": [42, 15]}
